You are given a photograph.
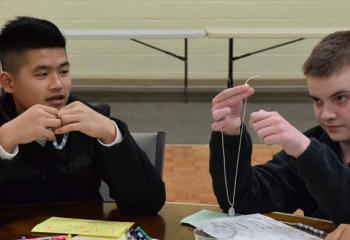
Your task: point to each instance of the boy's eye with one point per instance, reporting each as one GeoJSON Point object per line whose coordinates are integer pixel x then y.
{"type": "Point", "coordinates": [41, 74]}
{"type": "Point", "coordinates": [64, 71]}
{"type": "Point", "coordinates": [316, 100]}
{"type": "Point", "coordinates": [341, 98]}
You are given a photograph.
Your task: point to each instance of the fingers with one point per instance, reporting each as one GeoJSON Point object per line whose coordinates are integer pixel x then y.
{"type": "Point", "coordinates": [41, 111]}
{"type": "Point", "coordinates": [265, 124]}
{"type": "Point", "coordinates": [47, 134]}
{"type": "Point", "coordinates": [69, 128]}
{"type": "Point", "coordinates": [229, 92]}
{"type": "Point", "coordinates": [340, 233]}
{"type": "Point", "coordinates": [227, 125]}
{"type": "Point", "coordinates": [226, 108]}
{"type": "Point", "coordinates": [217, 126]}
{"type": "Point", "coordinates": [231, 96]}
{"type": "Point", "coordinates": [49, 110]}
{"type": "Point", "coordinates": [69, 123]}
{"type": "Point", "coordinates": [261, 119]}
{"type": "Point", "coordinates": [345, 233]}
{"type": "Point", "coordinates": [69, 111]}
{"type": "Point", "coordinates": [220, 113]}
{"type": "Point", "coordinates": [73, 112]}
{"type": "Point", "coordinates": [335, 235]}
{"type": "Point", "coordinates": [71, 105]}
{"type": "Point", "coordinates": [52, 123]}
{"type": "Point", "coordinates": [266, 134]}
{"type": "Point", "coordinates": [256, 117]}
{"type": "Point", "coordinates": [68, 119]}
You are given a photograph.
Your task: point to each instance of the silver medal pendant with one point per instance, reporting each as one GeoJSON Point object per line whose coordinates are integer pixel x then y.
{"type": "Point", "coordinates": [231, 211]}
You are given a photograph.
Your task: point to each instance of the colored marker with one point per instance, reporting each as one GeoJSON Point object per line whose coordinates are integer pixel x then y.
{"type": "Point", "coordinates": [144, 234]}
{"type": "Point", "coordinates": [61, 237]}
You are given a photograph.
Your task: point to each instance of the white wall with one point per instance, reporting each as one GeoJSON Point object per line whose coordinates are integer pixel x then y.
{"type": "Point", "coordinates": [123, 59]}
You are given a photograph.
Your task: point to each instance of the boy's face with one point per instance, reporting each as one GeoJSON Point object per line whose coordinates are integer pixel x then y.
{"type": "Point", "coordinates": [44, 78]}
{"type": "Point", "coordinates": [331, 99]}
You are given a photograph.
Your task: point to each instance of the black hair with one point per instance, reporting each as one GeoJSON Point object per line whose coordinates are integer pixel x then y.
{"type": "Point", "coordinates": [26, 33]}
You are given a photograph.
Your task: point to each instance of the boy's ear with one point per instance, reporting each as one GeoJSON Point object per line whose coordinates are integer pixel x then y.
{"type": "Point", "coordinates": [6, 81]}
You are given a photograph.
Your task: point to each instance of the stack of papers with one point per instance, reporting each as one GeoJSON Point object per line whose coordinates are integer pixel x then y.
{"type": "Point", "coordinates": [85, 227]}
{"type": "Point", "coordinates": [252, 226]}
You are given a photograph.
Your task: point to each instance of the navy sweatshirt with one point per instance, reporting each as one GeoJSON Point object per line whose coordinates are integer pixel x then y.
{"type": "Point", "coordinates": [44, 174]}
{"type": "Point", "coordinates": [318, 182]}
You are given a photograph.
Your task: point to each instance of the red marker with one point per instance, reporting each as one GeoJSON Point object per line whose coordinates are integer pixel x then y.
{"type": "Point", "coordinates": [61, 237]}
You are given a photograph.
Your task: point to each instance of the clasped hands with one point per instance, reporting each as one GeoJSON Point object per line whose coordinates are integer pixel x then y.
{"type": "Point", "coordinates": [40, 121]}
{"type": "Point", "coordinates": [270, 127]}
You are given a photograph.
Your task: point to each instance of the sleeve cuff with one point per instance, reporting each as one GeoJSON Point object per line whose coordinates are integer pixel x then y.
{"type": "Point", "coordinates": [8, 156]}
{"type": "Point", "coordinates": [117, 140]}
{"type": "Point", "coordinates": [309, 157]}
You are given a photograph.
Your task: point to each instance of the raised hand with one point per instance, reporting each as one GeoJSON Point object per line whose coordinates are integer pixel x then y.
{"type": "Point", "coordinates": [272, 128]}
{"type": "Point", "coordinates": [76, 116]}
{"type": "Point", "coordinates": [226, 109]}
{"type": "Point", "coordinates": [39, 121]}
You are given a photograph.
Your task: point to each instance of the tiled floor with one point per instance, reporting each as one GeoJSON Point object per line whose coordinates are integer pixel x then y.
{"type": "Point", "coordinates": [186, 171]}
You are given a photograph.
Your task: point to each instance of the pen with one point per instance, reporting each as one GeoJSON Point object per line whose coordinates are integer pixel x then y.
{"type": "Point", "coordinates": [61, 237]}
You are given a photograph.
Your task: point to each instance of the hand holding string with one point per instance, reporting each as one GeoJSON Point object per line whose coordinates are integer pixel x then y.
{"type": "Point", "coordinates": [225, 99]}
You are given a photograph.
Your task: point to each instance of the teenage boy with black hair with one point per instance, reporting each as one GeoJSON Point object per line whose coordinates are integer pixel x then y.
{"type": "Point", "coordinates": [53, 146]}
{"type": "Point", "coordinates": [312, 172]}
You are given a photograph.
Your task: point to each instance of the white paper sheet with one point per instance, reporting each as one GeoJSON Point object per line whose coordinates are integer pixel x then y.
{"type": "Point", "coordinates": [257, 226]}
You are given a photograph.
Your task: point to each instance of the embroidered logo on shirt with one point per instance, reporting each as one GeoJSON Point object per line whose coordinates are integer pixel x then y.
{"type": "Point", "coordinates": [79, 162]}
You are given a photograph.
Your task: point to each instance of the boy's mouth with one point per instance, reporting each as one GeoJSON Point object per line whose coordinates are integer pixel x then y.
{"type": "Point", "coordinates": [56, 100]}
{"type": "Point", "coordinates": [333, 128]}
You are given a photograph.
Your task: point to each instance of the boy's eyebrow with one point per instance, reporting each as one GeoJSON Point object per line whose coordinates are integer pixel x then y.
{"type": "Point", "coordinates": [334, 94]}
{"type": "Point", "coordinates": [340, 92]}
{"type": "Point", "coordinates": [313, 97]}
{"type": "Point", "coordinates": [44, 67]}
{"type": "Point", "coordinates": [65, 64]}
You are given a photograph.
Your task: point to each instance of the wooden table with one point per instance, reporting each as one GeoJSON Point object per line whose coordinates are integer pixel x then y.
{"type": "Point", "coordinates": [16, 222]}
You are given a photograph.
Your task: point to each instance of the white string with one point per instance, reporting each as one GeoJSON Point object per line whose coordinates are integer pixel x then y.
{"type": "Point", "coordinates": [238, 154]}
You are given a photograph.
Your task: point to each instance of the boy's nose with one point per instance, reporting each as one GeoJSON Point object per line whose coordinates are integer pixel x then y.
{"type": "Point", "coordinates": [56, 81]}
{"type": "Point", "coordinates": [327, 113]}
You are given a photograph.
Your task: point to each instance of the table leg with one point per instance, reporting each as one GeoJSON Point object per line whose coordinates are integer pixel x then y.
{"type": "Point", "coordinates": [186, 70]}
{"type": "Point", "coordinates": [230, 63]}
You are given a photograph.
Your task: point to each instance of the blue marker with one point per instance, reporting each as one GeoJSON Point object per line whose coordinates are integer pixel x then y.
{"type": "Point", "coordinates": [142, 234]}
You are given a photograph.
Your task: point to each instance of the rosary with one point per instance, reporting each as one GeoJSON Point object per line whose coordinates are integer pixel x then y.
{"type": "Point", "coordinates": [63, 142]}
{"type": "Point", "coordinates": [231, 210]}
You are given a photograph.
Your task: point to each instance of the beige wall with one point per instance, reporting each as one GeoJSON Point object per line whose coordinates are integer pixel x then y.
{"type": "Point", "coordinates": [123, 59]}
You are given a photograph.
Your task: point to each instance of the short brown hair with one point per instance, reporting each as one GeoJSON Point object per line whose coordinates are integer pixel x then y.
{"type": "Point", "coordinates": [329, 56]}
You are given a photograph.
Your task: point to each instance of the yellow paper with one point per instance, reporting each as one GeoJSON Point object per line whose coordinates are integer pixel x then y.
{"type": "Point", "coordinates": [82, 227]}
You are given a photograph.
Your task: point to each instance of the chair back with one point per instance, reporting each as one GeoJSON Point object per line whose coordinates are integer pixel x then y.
{"type": "Point", "coordinates": [153, 144]}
